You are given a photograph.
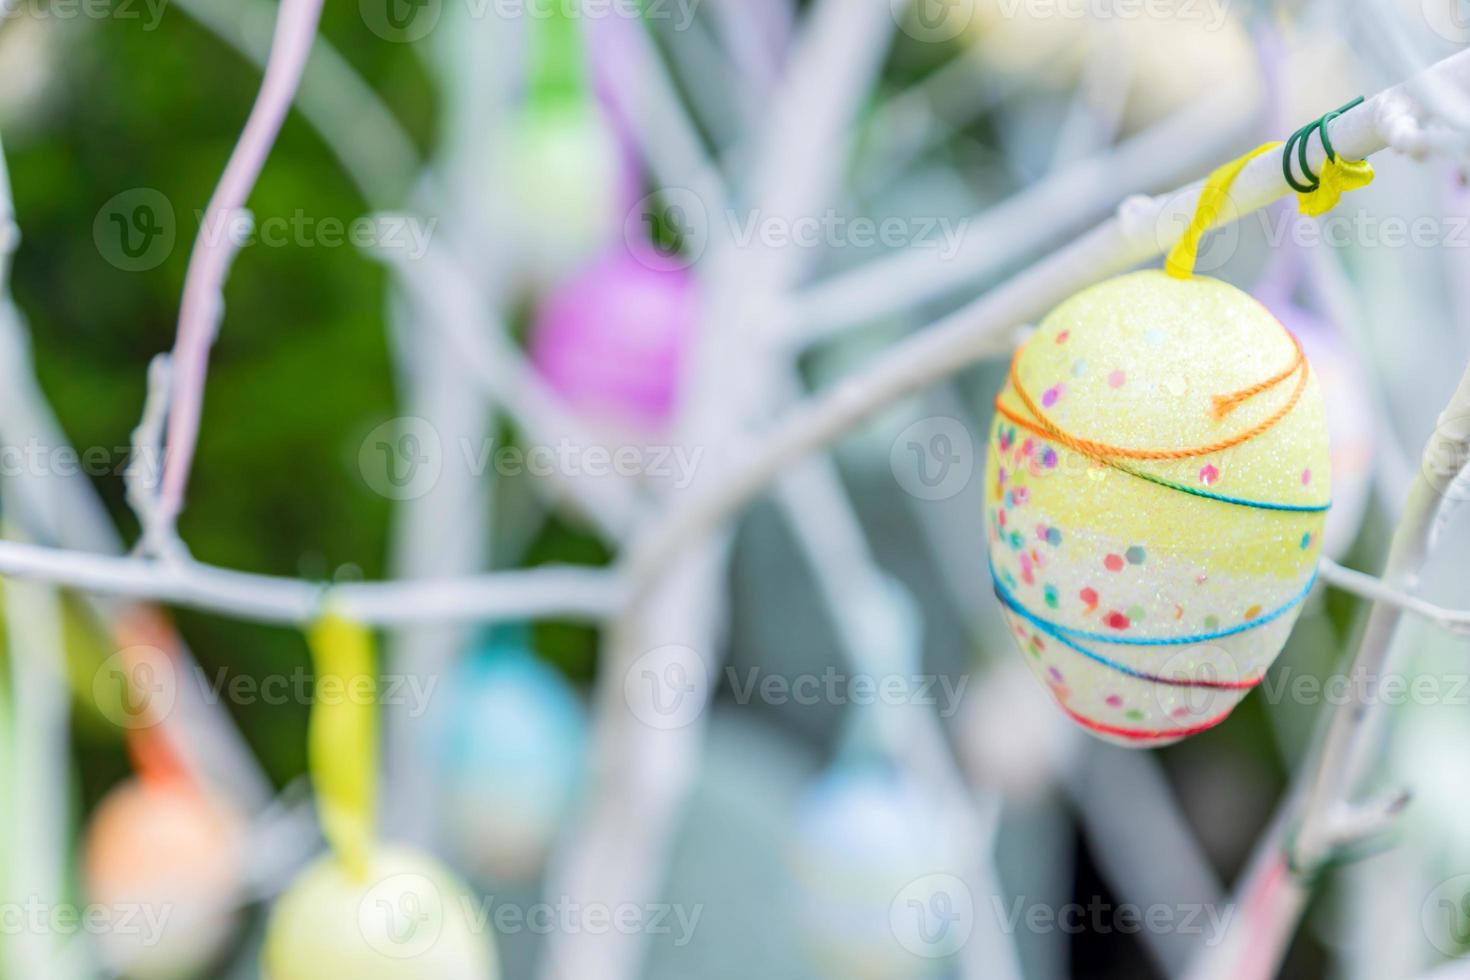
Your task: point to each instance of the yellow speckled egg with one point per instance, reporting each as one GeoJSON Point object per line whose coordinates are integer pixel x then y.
{"type": "Point", "coordinates": [1156, 487]}
{"type": "Point", "coordinates": [406, 919]}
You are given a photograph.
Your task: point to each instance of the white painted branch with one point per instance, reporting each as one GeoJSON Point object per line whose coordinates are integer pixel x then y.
{"type": "Point", "coordinates": [546, 591]}
{"type": "Point", "coordinates": [214, 249]}
{"type": "Point", "coordinates": [372, 146]}
{"type": "Point", "coordinates": [440, 287]}
{"type": "Point", "coordinates": [1143, 228]}
{"type": "Point", "coordinates": [1182, 144]}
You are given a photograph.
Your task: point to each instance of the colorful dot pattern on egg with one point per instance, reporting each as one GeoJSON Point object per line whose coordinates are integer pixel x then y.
{"type": "Point", "coordinates": [1142, 536]}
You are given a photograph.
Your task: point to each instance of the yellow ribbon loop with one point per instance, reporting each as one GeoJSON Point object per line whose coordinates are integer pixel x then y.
{"type": "Point", "coordinates": [342, 746]}
{"type": "Point", "coordinates": [1180, 263]}
{"type": "Point", "coordinates": [1337, 178]}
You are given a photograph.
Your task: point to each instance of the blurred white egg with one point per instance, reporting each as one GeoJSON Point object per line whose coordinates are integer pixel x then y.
{"type": "Point", "coordinates": [871, 867]}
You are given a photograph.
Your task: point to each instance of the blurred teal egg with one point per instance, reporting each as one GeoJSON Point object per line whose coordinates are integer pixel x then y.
{"type": "Point", "coordinates": [867, 845]}
{"type": "Point", "coordinates": [513, 758]}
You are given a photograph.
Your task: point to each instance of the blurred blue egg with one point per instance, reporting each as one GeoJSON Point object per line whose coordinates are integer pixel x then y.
{"type": "Point", "coordinates": [867, 845]}
{"type": "Point", "coordinates": [513, 758]}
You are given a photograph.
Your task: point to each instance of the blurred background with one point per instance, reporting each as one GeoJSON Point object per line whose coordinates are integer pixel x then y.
{"type": "Point", "coordinates": [524, 272]}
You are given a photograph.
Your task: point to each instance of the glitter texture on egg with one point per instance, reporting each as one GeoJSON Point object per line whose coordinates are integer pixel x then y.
{"type": "Point", "coordinates": [1350, 423]}
{"type": "Point", "coordinates": [1150, 560]}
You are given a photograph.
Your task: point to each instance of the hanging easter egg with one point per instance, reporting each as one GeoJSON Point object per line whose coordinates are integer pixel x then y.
{"type": "Point", "coordinates": [168, 850]}
{"type": "Point", "coordinates": [405, 918]}
{"type": "Point", "coordinates": [1156, 488]}
{"type": "Point", "coordinates": [1350, 424]}
{"type": "Point", "coordinates": [565, 167]}
{"type": "Point", "coordinates": [870, 864]}
{"type": "Point", "coordinates": [562, 168]}
{"type": "Point", "coordinates": [513, 757]}
{"type": "Point", "coordinates": [612, 339]}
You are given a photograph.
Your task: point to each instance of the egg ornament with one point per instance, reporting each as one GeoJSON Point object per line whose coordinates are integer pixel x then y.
{"type": "Point", "coordinates": [1157, 482]}
{"type": "Point", "coordinates": [171, 852]}
{"type": "Point", "coordinates": [612, 340]}
{"type": "Point", "coordinates": [514, 754]}
{"type": "Point", "coordinates": [407, 917]}
{"type": "Point", "coordinates": [562, 166]}
{"type": "Point", "coordinates": [876, 892]}
{"type": "Point", "coordinates": [1350, 423]}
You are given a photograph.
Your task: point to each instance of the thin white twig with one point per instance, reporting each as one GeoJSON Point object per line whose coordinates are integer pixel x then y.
{"type": "Point", "coordinates": [1143, 228]}
{"type": "Point", "coordinates": [1377, 590]}
{"type": "Point", "coordinates": [1180, 145]}
{"type": "Point", "coordinates": [372, 146]}
{"type": "Point", "coordinates": [214, 248]}
{"type": "Point", "coordinates": [441, 288]}
{"type": "Point", "coordinates": [551, 590]}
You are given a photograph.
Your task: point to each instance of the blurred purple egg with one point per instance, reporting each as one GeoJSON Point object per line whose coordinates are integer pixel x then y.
{"type": "Point", "coordinates": [612, 339]}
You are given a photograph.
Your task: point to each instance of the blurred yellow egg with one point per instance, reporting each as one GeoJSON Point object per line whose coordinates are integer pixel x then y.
{"type": "Point", "coordinates": [408, 918]}
{"type": "Point", "coordinates": [1151, 601]}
